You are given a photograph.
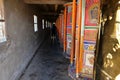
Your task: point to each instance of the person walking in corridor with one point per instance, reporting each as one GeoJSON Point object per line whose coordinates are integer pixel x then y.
{"type": "Point", "coordinates": [53, 33]}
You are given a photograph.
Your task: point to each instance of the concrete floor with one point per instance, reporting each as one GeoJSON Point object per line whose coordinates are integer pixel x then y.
{"type": "Point", "coordinates": [48, 64]}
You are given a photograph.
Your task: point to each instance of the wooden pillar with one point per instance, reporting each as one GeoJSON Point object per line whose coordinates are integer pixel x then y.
{"type": "Point", "coordinates": [65, 28]}
{"type": "Point", "coordinates": [73, 31]}
{"type": "Point", "coordinates": [79, 49]}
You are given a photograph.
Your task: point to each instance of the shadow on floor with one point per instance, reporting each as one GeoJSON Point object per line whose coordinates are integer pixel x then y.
{"type": "Point", "coordinates": [48, 64]}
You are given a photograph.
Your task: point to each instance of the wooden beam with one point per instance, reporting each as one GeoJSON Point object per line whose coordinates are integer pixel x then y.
{"type": "Point", "coordinates": [46, 7]}
{"type": "Point", "coordinates": [45, 1]}
{"type": "Point", "coordinates": [49, 13]}
{"type": "Point", "coordinates": [56, 7]}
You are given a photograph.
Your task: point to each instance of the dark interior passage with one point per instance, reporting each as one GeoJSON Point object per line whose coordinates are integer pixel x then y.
{"type": "Point", "coordinates": [48, 63]}
{"type": "Point", "coordinates": [29, 52]}
{"type": "Point", "coordinates": [20, 40]}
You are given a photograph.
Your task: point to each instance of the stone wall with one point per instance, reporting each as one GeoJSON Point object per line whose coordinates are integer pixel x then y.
{"type": "Point", "coordinates": [22, 41]}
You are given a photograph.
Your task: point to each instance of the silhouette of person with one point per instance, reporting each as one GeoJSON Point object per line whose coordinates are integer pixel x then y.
{"type": "Point", "coordinates": [53, 29]}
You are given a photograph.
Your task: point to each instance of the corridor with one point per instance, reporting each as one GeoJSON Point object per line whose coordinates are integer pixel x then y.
{"type": "Point", "coordinates": [48, 63]}
{"type": "Point", "coordinates": [87, 46]}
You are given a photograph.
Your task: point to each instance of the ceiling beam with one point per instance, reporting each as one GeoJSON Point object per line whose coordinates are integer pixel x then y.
{"type": "Point", "coordinates": [56, 7]}
{"type": "Point", "coordinates": [46, 7]}
{"type": "Point", "coordinates": [50, 13]}
{"type": "Point", "coordinates": [45, 1]}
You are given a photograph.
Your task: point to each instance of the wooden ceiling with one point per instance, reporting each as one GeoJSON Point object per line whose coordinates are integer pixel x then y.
{"type": "Point", "coordinates": [46, 1]}
{"type": "Point", "coordinates": [48, 8]}
{"type": "Point", "coordinates": [52, 8]}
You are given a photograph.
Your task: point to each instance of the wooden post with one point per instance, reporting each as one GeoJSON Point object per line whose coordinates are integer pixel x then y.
{"type": "Point", "coordinates": [82, 37]}
{"type": "Point", "coordinates": [65, 28]}
{"type": "Point", "coordinates": [78, 65]}
{"type": "Point", "coordinates": [61, 28]}
{"type": "Point", "coordinates": [73, 32]}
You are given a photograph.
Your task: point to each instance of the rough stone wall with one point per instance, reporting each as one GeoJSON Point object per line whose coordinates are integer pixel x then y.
{"type": "Point", "coordinates": [22, 41]}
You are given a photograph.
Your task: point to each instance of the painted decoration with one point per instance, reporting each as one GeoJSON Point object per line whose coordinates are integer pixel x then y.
{"type": "Point", "coordinates": [69, 29]}
{"type": "Point", "coordinates": [89, 46]}
{"type": "Point", "coordinates": [88, 62]}
{"type": "Point", "coordinates": [89, 31]}
{"type": "Point", "coordinates": [90, 34]}
{"type": "Point", "coordinates": [88, 59]}
{"type": "Point", "coordinates": [92, 12]}
{"type": "Point", "coordinates": [69, 15]}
